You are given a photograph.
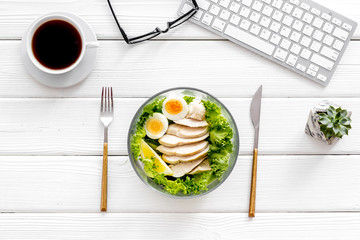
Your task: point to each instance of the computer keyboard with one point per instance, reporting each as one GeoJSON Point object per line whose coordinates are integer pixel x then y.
{"type": "Point", "coordinates": [300, 35]}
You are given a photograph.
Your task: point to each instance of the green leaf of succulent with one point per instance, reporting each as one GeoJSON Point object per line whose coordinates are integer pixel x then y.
{"type": "Point", "coordinates": [335, 122]}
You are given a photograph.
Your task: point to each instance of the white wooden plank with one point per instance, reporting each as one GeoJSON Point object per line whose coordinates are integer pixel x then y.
{"type": "Point", "coordinates": [72, 184]}
{"type": "Point", "coordinates": [137, 16]}
{"type": "Point", "coordinates": [221, 68]}
{"type": "Point", "coordinates": [272, 226]}
{"type": "Point", "coordinates": [72, 126]}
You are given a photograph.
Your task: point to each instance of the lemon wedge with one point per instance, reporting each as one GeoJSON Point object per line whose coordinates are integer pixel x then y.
{"type": "Point", "coordinates": [149, 153]}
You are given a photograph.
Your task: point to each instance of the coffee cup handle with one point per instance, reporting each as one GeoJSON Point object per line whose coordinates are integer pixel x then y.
{"type": "Point", "coordinates": [92, 45]}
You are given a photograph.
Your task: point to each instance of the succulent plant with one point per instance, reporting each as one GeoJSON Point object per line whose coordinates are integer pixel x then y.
{"type": "Point", "coordinates": [335, 122]}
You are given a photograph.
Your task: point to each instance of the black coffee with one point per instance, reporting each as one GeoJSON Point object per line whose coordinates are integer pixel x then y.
{"type": "Point", "coordinates": [56, 44]}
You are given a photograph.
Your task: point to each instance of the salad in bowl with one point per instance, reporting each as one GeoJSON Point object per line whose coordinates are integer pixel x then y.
{"type": "Point", "coordinates": [183, 142]}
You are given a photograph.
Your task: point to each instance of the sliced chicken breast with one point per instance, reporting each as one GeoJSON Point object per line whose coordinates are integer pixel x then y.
{"type": "Point", "coordinates": [185, 150]}
{"type": "Point", "coordinates": [192, 122]}
{"type": "Point", "coordinates": [186, 132]}
{"type": "Point", "coordinates": [181, 169]}
{"type": "Point", "coordinates": [203, 167]}
{"type": "Point", "coordinates": [196, 111]}
{"type": "Point", "coordinates": [173, 141]}
{"type": "Point", "coordinates": [177, 159]}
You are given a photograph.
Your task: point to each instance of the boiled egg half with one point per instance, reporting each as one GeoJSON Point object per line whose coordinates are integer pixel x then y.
{"type": "Point", "coordinates": [156, 126]}
{"type": "Point", "coordinates": [175, 108]}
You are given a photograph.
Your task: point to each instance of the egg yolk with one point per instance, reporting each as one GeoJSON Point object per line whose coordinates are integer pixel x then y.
{"type": "Point", "coordinates": [154, 126]}
{"type": "Point", "coordinates": [173, 107]}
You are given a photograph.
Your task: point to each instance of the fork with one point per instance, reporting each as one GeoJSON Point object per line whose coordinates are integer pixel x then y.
{"type": "Point", "coordinates": [106, 117]}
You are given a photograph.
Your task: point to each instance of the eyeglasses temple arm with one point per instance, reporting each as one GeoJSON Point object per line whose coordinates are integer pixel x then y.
{"type": "Point", "coordinates": [118, 24]}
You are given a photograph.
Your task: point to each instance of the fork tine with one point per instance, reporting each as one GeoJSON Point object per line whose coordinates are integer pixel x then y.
{"type": "Point", "coordinates": [102, 99]}
{"type": "Point", "coordinates": [112, 100]}
{"type": "Point", "coordinates": [108, 99]}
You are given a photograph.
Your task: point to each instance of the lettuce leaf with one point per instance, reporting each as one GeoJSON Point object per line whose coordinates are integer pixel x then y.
{"type": "Point", "coordinates": [220, 139]}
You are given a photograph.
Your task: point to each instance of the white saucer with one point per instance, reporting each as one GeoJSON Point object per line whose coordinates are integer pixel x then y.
{"type": "Point", "coordinates": [75, 76]}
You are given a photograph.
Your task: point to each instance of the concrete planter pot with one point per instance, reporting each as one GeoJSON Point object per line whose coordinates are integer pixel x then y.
{"type": "Point", "coordinates": [313, 126]}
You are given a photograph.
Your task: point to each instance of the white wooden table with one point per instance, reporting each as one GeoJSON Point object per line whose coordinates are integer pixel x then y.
{"type": "Point", "coordinates": [51, 140]}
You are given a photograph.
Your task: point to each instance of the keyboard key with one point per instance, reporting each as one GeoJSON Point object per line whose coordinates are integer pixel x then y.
{"type": "Point", "coordinates": [328, 52]}
{"type": "Point", "coordinates": [235, 19]}
{"type": "Point", "coordinates": [255, 17]}
{"type": "Point", "coordinates": [339, 33]}
{"type": "Point", "coordinates": [347, 26]}
{"type": "Point", "coordinates": [295, 2]}
{"type": "Point", "coordinates": [308, 30]}
{"type": "Point", "coordinates": [265, 22]}
{"type": "Point", "coordinates": [318, 23]}
{"type": "Point", "coordinates": [224, 3]}
{"type": "Point", "coordinates": [305, 41]}
{"type": "Point", "coordinates": [275, 27]}
{"type": "Point", "coordinates": [292, 59]}
{"type": "Point", "coordinates": [267, 11]}
{"type": "Point", "coordinates": [198, 15]}
{"type": "Point", "coordinates": [277, 15]}
{"type": "Point", "coordinates": [328, 27]}
{"type": "Point", "coordinates": [207, 19]}
{"type": "Point", "coordinates": [321, 77]}
{"type": "Point", "coordinates": [315, 11]}
{"type": "Point", "coordinates": [280, 54]}
{"type": "Point", "coordinates": [321, 61]}
{"type": "Point", "coordinates": [265, 34]}
{"type": "Point", "coordinates": [295, 36]}
{"type": "Point", "coordinates": [318, 35]}
{"type": "Point", "coordinates": [249, 39]}
{"type": "Point", "coordinates": [301, 67]}
{"type": "Point", "coordinates": [234, 7]}
{"type": "Point", "coordinates": [186, 8]}
{"type": "Point", "coordinates": [314, 67]}
{"type": "Point", "coordinates": [305, 54]}
{"type": "Point", "coordinates": [214, 10]}
{"type": "Point", "coordinates": [277, 3]}
{"type": "Point", "coordinates": [287, 8]}
{"type": "Point", "coordinates": [338, 45]}
{"type": "Point", "coordinates": [225, 15]}
{"type": "Point", "coordinates": [285, 31]}
{"type": "Point", "coordinates": [247, 2]}
{"type": "Point", "coordinates": [336, 21]}
{"type": "Point", "coordinates": [305, 6]}
{"type": "Point", "coordinates": [298, 25]}
{"type": "Point", "coordinates": [326, 16]}
{"type": "Point", "coordinates": [255, 29]}
{"type": "Point", "coordinates": [328, 40]}
{"type": "Point", "coordinates": [295, 49]}
{"type": "Point", "coordinates": [245, 12]}
{"type": "Point", "coordinates": [311, 72]}
{"type": "Point", "coordinates": [298, 13]}
{"type": "Point", "coordinates": [308, 18]}
{"type": "Point", "coordinates": [257, 6]}
{"type": "Point", "coordinates": [218, 24]}
{"type": "Point", "coordinates": [275, 39]}
{"type": "Point", "coordinates": [315, 46]}
{"type": "Point", "coordinates": [245, 24]}
{"type": "Point", "coordinates": [287, 20]}
{"type": "Point", "coordinates": [285, 44]}
{"type": "Point", "coordinates": [203, 4]}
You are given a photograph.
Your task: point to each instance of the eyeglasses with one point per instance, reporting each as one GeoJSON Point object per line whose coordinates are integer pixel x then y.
{"type": "Point", "coordinates": [157, 31]}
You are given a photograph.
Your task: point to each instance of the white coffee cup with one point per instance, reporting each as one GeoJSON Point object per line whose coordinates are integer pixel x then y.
{"type": "Point", "coordinates": [56, 16]}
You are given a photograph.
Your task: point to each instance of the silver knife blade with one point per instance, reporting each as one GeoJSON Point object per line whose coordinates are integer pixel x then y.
{"type": "Point", "coordinates": [255, 114]}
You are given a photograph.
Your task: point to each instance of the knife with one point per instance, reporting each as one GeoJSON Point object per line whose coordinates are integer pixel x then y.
{"type": "Point", "coordinates": [255, 118]}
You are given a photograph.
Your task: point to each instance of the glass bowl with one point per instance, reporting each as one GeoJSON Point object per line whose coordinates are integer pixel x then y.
{"type": "Point", "coordinates": [138, 165]}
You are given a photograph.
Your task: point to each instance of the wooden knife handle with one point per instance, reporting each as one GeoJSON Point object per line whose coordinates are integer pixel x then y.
{"type": "Point", "coordinates": [103, 205]}
{"type": "Point", "coordinates": [253, 185]}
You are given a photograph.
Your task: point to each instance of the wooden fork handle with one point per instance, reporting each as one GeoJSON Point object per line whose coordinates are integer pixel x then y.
{"type": "Point", "coordinates": [253, 185]}
{"type": "Point", "coordinates": [103, 205]}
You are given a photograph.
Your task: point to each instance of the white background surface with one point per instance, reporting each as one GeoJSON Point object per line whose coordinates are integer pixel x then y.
{"type": "Point", "coordinates": [51, 140]}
